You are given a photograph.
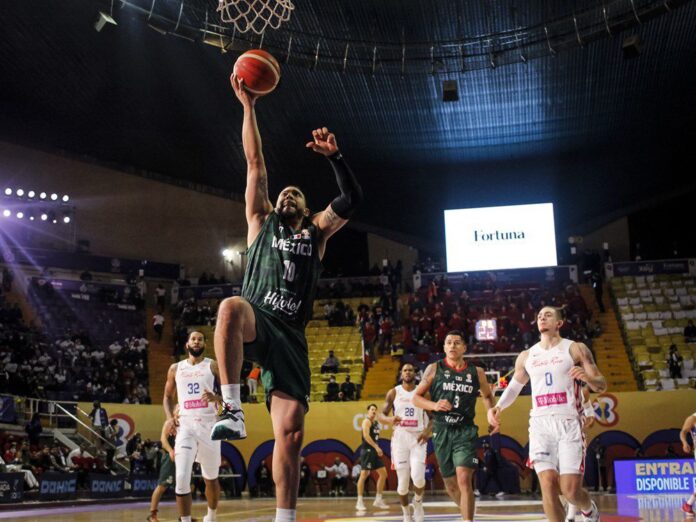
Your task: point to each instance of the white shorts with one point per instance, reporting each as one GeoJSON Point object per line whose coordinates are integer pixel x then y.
{"type": "Point", "coordinates": [406, 452]}
{"type": "Point", "coordinates": [557, 443]}
{"type": "Point", "coordinates": [193, 444]}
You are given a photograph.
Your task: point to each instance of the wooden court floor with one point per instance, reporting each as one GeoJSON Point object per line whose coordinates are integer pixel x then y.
{"type": "Point", "coordinates": [438, 509]}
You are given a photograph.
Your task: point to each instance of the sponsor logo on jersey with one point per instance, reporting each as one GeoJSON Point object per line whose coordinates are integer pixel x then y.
{"type": "Point", "coordinates": [197, 403]}
{"type": "Point", "coordinates": [551, 399]}
{"type": "Point", "coordinates": [277, 302]}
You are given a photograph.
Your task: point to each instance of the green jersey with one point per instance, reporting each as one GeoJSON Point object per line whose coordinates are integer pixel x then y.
{"type": "Point", "coordinates": [283, 269]}
{"type": "Point", "coordinates": [374, 435]}
{"type": "Point", "coordinates": [460, 388]}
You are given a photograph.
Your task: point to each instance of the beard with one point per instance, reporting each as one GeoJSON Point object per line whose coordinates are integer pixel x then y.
{"type": "Point", "coordinates": [195, 353]}
{"type": "Point", "coordinates": [289, 211]}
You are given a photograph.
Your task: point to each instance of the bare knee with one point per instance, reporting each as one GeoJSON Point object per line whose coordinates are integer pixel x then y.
{"type": "Point", "coordinates": [231, 310]}
{"type": "Point", "coordinates": [550, 484]}
{"type": "Point", "coordinates": [451, 487]}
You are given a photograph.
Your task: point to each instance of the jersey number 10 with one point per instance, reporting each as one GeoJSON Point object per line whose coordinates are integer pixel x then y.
{"type": "Point", "coordinates": [289, 273]}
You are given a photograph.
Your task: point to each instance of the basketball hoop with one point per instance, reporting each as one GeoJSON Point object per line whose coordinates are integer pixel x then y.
{"type": "Point", "coordinates": [255, 15]}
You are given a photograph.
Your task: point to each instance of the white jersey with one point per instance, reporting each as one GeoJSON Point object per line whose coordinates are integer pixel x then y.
{"type": "Point", "coordinates": [412, 418]}
{"type": "Point", "coordinates": [191, 382]}
{"type": "Point", "coordinates": [554, 392]}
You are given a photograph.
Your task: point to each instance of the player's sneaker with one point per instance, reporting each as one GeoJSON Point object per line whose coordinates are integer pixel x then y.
{"type": "Point", "coordinates": [418, 513]}
{"type": "Point", "coordinates": [688, 509]}
{"type": "Point", "coordinates": [500, 494]}
{"type": "Point", "coordinates": [206, 519]}
{"type": "Point", "coordinates": [571, 511]}
{"type": "Point", "coordinates": [230, 426]}
{"type": "Point", "coordinates": [593, 516]}
{"type": "Point", "coordinates": [360, 505]}
{"type": "Point", "coordinates": [379, 503]}
{"type": "Point", "coordinates": [408, 517]}
{"type": "Point", "coordinates": [152, 517]}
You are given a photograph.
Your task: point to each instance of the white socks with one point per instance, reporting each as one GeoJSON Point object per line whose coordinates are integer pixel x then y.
{"type": "Point", "coordinates": [212, 514]}
{"type": "Point", "coordinates": [285, 515]}
{"type": "Point", "coordinates": [230, 393]}
{"type": "Point", "coordinates": [186, 519]}
{"type": "Point", "coordinates": [405, 510]}
{"type": "Point", "coordinates": [417, 498]}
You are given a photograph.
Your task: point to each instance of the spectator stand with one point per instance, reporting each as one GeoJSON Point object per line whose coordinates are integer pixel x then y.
{"type": "Point", "coordinates": [653, 311]}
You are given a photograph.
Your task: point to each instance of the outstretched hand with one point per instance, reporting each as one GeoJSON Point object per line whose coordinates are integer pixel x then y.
{"type": "Point", "coordinates": [324, 142]}
{"type": "Point", "coordinates": [248, 99]}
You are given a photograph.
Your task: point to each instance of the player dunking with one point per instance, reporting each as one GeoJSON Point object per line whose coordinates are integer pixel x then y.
{"type": "Point", "coordinates": [454, 387]}
{"type": "Point", "coordinates": [194, 379]}
{"type": "Point", "coordinates": [556, 445]}
{"type": "Point", "coordinates": [689, 427]}
{"type": "Point", "coordinates": [409, 443]}
{"type": "Point", "coordinates": [266, 324]}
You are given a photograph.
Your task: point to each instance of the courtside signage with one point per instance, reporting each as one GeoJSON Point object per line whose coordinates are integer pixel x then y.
{"type": "Point", "coordinates": [493, 238]}
{"type": "Point", "coordinates": [655, 476]}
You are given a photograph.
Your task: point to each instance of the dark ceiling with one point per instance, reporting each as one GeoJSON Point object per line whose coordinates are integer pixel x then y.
{"type": "Point", "coordinates": [587, 129]}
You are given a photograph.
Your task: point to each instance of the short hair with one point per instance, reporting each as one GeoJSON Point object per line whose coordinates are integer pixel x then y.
{"type": "Point", "coordinates": [456, 332]}
{"type": "Point", "coordinates": [407, 364]}
{"type": "Point", "coordinates": [191, 332]}
{"type": "Point", "coordinates": [559, 311]}
{"type": "Point", "coordinates": [371, 405]}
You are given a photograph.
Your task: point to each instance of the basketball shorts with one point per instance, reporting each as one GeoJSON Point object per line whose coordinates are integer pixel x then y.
{"type": "Point", "coordinates": [167, 472]}
{"type": "Point", "coordinates": [455, 447]}
{"type": "Point", "coordinates": [281, 350]}
{"type": "Point", "coordinates": [406, 452]}
{"type": "Point", "coordinates": [193, 444]}
{"type": "Point", "coordinates": [369, 460]}
{"type": "Point", "coordinates": [556, 443]}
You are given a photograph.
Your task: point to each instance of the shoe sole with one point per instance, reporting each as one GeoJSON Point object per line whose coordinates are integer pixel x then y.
{"type": "Point", "coordinates": [226, 435]}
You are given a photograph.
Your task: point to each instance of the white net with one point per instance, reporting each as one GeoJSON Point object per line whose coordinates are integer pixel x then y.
{"type": "Point", "coordinates": [255, 15]}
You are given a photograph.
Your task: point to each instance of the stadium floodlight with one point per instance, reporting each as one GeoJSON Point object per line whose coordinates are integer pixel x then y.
{"type": "Point", "coordinates": [54, 196]}
{"type": "Point", "coordinates": [66, 219]}
{"type": "Point", "coordinates": [8, 191]}
{"type": "Point", "coordinates": [44, 216]}
{"type": "Point", "coordinates": [31, 194]}
{"type": "Point", "coordinates": [55, 221]}
{"type": "Point", "coordinates": [20, 192]}
{"type": "Point", "coordinates": [6, 213]}
{"type": "Point", "coordinates": [66, 198]}
{"type": "Point", "coordinates": [227, 253]}
{"type": "Point", "coordinates": [42, 195]}
{"type": "Point", "coordinates": [20, 215]}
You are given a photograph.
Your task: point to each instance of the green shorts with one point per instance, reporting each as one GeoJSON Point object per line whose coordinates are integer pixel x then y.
{"type": "Point", "coordinates": [369, 460]}
{"type": "Point", "coordinates": [167, 472]}
{"type": "Point", "coordinates": [281, 350]}
{"type": "Point", "coordinates": [455, 447]}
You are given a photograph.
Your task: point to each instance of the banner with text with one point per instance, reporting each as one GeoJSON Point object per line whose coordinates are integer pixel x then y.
{"type": "Point", "coordinates": [649, 477]}
{"type": "Point", "coordinates": [106, 486]}
{"type": "Point", "coordinates": [645, 268]}
{"type": "Point", "coordinates": [58, 486]}
{"type": "Point", "coordinates": [11, 487]}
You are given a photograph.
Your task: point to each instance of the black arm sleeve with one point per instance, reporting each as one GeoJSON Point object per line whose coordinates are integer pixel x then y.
{"type": "Point", "coordinates": [351, 192]}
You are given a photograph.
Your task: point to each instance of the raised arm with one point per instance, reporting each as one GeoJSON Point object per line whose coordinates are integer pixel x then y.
{"type": "Point", "coordinates": [169, 391]}
{"type": "Point", "coordinates": [387, 407]}
{"type": "Point", "coordinates": [337, 213]}
{"type": "Point", "coordinates": [519, 379]}
{"type": "Point", "coordinates": [587, 370]}
{"type": "Point", "coordinates": [258, 205]}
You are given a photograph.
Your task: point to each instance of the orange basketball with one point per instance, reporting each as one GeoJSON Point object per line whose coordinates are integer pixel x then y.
{"type": "Point", "coordinates": [259, 70]}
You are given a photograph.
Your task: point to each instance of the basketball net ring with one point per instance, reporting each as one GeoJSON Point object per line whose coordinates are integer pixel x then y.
{"type": "Point", "coordinates": [255, 15]}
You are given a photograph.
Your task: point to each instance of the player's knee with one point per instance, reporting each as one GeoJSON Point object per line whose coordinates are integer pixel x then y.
{"type": "Point", "coordinates": [451, 486]}
{"type": "Point", "coordinates": [573, 492]}
{"type": "Point", "coordinates": [419, 483]}
{"type": "Point", "coordinates": [231, 310]}
{"type": "Point", "coordinates": [183, 483]}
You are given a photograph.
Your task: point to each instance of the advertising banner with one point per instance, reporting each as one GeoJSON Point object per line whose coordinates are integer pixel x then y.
{"type": "Point", "coordinates": [58, 486]}
{"type": "Point", "coordinates": [649, 477]}
{"type": "Point", "coordinates": [106, 486]}
{"type": "Point", "coordinates": [11, 487]}
{"type": "Point", "coordinates": [643, 268]}
{"type": "Point", "coordinates": [143, 485]}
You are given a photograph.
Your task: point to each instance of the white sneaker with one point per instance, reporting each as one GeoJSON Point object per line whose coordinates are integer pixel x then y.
{"type": "Point", "coordinates": [380, 504]}
{"type": "Point", "coordinates": [206, 519]}
{"type": "Point", "coordinates": [418, 513]}
{"type": "Point", "coordinates": [500, 494]}
{"type": "Point", "coordinates": [594, 514]}
{"type": "Point", "coordinates": [230, 426]}
{"type": "Point", "coordinates": [360, 506]}
{"type": "Point", "coordinates": [407, 515]}
{"type": "Point", "coordinates": [477, 493]}
{"type": "Point", "coordinates": [571, 511]}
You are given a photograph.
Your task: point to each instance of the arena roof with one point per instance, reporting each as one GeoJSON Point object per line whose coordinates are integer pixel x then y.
{"type": "Point", "coordinates": [549, 108]}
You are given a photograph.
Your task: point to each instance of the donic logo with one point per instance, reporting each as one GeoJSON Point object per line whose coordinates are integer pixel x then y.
{"type": "Point", "coordinates": [497, 235]}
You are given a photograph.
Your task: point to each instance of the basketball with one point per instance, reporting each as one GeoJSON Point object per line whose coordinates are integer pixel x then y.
{"type": "Point", "coordinates": [259, 70]}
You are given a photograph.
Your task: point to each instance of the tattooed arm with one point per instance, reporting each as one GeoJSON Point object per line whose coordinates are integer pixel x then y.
{"type": "Point", "coordinates": [586, 369]}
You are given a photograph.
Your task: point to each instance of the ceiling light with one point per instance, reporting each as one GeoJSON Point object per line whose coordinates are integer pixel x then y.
{"type": "Point", "coordinates": [54, 196]}
{"type": "Point", "coordinates": [66, 219]}
{"type": "Point", "coordinates": [8, 191]}
{"type": "Point", "coordinates": [44, 216]}
{"type": "Point", "coordinates": [20, 215]}
{"type": "Point", "coordinates": [66, 198]}
{"type": "Point", "coordinates": [20, 192]}
{"type": "Point", "coordinates": [6, 213]}
{"type": "Point", "coordinates": [42, 195]}
{"type": "Point", "coordinates": [31, 194]}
